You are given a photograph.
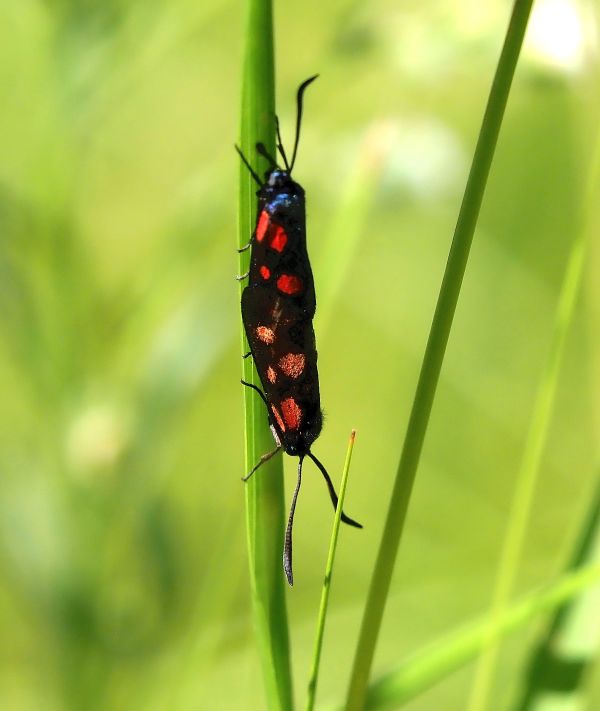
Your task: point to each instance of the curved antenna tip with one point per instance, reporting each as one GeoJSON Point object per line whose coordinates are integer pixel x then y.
{"type": "Point", "coordinates": [299, 94]}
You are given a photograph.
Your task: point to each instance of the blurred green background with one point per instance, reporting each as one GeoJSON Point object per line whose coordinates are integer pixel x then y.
{"type": "Point", "coordinates": [123, 569]}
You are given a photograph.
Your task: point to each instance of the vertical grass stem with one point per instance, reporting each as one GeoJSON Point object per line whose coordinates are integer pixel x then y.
{"type": "Point", "coordinates": [265, 514]}
{"type": "Point", "coordinates": [434, 353]}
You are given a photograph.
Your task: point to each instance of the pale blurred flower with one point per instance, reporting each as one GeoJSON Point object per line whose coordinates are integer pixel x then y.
{"type": "Point", "coordinates": [558, 37]}
{"type": "Point", "coordinates": [96, 439]}
{"type": "Point", "coordinates": [426, 159]}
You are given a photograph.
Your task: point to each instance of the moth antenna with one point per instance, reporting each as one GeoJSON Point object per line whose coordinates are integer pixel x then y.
{"type": "Point", "coordinates": [287, 546]}
{"type": "Point", "coordinates": [332, 494]}
{"type": "Point", "coordinates": [280, 145]}
{"type": "Point", "coordinates": [247, 164]}
{"type": "Point", "coordinates": [261, 150]}
{"type": "Point", "coordinates": [299, 99]}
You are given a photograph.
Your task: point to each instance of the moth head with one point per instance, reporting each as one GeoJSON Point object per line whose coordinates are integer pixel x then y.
{"type": "Point", "coordinates": [277, 178]}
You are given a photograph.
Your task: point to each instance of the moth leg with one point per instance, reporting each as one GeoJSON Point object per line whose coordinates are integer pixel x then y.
{"type": "Point", "coordinates": [247, 355]}
{"type": "Point", "coordinates": [261, 461]}
{"type": "Point", "coordinates": [268, 455]}
{"type": "Point", "coordinates": [258, 390]}
{"type": "Point", "coordinates": [241, 277]}
{"type": "Point", "coordinates": [332, 494]}
{"type": "Point", "coordinates": [287, 545]}
{"type": "Point", "coordinates": [245, 247]}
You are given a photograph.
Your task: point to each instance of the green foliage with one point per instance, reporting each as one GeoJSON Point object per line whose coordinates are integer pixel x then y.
{"type": "Point", "coordinates": [427, 666]}
{"type": "Point", "coordinates": [123, 561]}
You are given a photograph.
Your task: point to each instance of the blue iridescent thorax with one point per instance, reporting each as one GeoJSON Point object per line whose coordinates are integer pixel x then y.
{"type": "Point", "coordinates": [280, 192]}
{"type": "Point", "coordinates": [282, 202]}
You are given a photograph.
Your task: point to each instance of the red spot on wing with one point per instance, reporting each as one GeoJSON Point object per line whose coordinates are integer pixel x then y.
{"type": "Point", "coordinates": [292, 413]}
{"type": "Point", "coordinates": [275, 234]}
{"type": "Point", "coordinates": [271, 375]}
{"type": "Point", "coordinates": [261, 225]}
{"type": "Point", "coordinates": [265, 334]}
{"type": "Point", "coordinates": [278, 418]}
{"type": "Point", "coordinates": [277, 238]}
{"type": "Point", "coordinates": [289, 284]}
{"type": "Point", "coordinates": [292, 364]}
{"type": "Point", "coordinates": [265, 272]}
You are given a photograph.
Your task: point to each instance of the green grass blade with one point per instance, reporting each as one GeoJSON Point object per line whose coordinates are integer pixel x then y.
{"type": "Point", "coordinates": [314, 673]}
{"type": "Point", "coordinates": [427, 667]}
{"type": "Point", "coordinates": [265, 514]}
{"type": "Point", "coordinates": [527, 478]}
{"type": "Point", "coordinates": [434, 353]}
{"type": "Point", "coordinates": [571, 640]}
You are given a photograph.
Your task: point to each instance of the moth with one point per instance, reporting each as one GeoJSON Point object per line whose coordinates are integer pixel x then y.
{"type": "Point", "coordinates": [278, 306]}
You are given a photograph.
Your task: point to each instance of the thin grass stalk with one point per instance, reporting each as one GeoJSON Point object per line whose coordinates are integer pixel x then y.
{"type": "Point", "coordinates": [434, 353]}
{"type": "Point", "coordinates": [265, 515]}
{"type": "Point", "coordinates": [314, 673]}
{"type": "Point", "coordinates": [527, 478]}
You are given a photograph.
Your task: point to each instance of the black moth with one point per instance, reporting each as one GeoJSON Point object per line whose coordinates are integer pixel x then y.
{"type": "Point", "coordinates": [278, 306]}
